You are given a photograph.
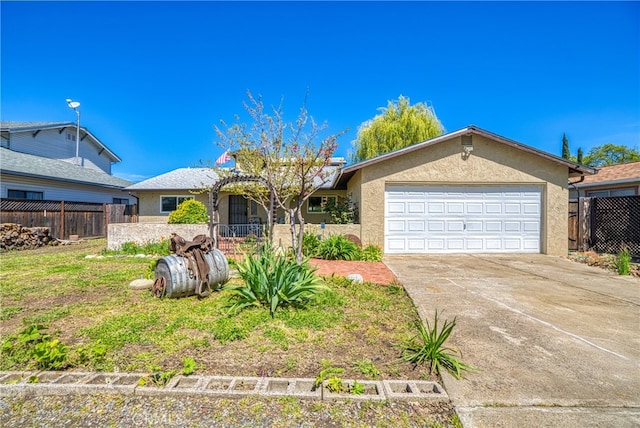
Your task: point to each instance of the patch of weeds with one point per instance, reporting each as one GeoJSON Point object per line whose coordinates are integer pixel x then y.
{"type": "Point", "coordinates": [159, 248]}
{"type": "Point", "coordinates": [366, 367]}
{"type": "Point", "coordinates": [188, 366]}
{"type": "Point", "coordinates": [70, 268]}
{"type": "Point", "coordinates": [278, 337]}
{"type": "Point", "coordinates": [119, 330]}
{"type": "Point", "coordinates": [34, 347]}
{"type": "Point", "coordinates": [623, 262]}
{"type": "Point", "coordinates": [48, 317]}
{"type": "Point", "coordinates": [229, 329]}
{"type": "Point", "coordinates": [8, 312]}
{"type": "Point", "coordinates": [159, 379]}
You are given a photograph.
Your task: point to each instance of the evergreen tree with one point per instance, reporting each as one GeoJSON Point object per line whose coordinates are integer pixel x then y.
{"type": "Point", "coordinates": [580, 155]}
{"type": "Point", "coordinates": [566, 154]}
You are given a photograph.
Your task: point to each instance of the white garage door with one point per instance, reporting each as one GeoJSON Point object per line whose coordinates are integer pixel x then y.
{"type": "Point", "coordinates": [462, 219]}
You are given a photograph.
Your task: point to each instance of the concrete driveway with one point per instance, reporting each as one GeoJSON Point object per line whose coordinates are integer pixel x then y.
{"type": "Point", "coordinates": [557, 342]}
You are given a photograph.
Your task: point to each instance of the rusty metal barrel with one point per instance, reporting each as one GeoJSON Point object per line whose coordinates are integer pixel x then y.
{"type": "Point", "coordinates": [181, 282]}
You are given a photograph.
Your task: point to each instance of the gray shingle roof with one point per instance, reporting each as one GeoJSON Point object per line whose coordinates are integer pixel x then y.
{"type": "Point", "coordinates": [179, 179]}
{"type": "Point", "coordinates": [32, 126]}
{"type": "Point", "coordinates": [201, 178]}
{"type": "Point", "coordinates": [53, 169]}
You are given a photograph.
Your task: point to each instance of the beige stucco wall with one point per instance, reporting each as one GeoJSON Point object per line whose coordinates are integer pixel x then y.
{"type": "Point", "coordinates": [489, 163]}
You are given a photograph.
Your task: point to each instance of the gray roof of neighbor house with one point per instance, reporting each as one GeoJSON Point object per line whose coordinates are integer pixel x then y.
{"type": "Point", "coordinates": [575, 169]}
{"type": "Point", "coordinates": [26, 165]}
{"type": "Point", "coordinates": [179, 179]}
{"type": "Point", "coordinates": [12, 127]}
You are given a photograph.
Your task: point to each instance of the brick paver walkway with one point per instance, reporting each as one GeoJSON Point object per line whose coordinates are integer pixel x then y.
{"type": "Point", "coordinates": [376, 272]}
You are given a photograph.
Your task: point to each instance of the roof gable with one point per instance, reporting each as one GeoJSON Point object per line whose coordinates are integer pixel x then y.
{"type": "Point", "coordinates": [14, 127]}
{"type": "Point", "coordinates": [575, 169]}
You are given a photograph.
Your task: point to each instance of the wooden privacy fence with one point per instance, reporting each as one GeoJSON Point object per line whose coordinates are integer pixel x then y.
{"type": "Point", "coordinates": [605, 225]}
{"type": "Point", "coordinates": [64, 218]}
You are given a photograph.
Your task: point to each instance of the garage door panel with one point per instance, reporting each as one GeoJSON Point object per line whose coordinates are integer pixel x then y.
{"type": "Point", "coordinates": [455, 226]}
{"type": "Point", "coordinates": [416, 226]}
{"type": "Point", "coordinates": [512, 208]}
{"type": "Point", "coordinates": [436, 226]}
{"type": "Point", "coordinates": [396, 207]}
{"type": "Point", "coordinates": [395, 226]}
{"type": "Point", "coordinates": [474, 226]}
{"type": "Point", "coordinates": [436, 207]}
{"type": "Point", "coordinates": [455, 208]}
{"type": "Point", "coordinates": [416, 207]}
{"type": "Point", "coordinates": [531, 209]}
{"type": "Point", "coordinates": [416, 245]}
{"type": "Point", "coordinates": [422, 219]}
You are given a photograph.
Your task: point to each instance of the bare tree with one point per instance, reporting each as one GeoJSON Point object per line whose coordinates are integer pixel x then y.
{"type": "Point", "coordinates": [293, 158]}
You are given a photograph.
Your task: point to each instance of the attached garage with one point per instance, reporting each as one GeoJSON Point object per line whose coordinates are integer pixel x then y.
{"type": "Point", "coordinates": [462, 219]}
{"type": "Point", "coordinates": [468, 191]}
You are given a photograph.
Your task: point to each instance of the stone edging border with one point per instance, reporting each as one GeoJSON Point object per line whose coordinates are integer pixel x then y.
{"type": "Point", "coordinates": [57, 383]}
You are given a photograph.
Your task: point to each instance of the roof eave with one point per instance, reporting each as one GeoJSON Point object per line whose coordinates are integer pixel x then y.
{"type": "Point", "coordinates": [574, 168]}
{"type": "Point", "coordinates": [63, 180]}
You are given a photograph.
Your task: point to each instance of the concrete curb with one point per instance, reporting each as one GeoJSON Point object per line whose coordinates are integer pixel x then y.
{"type": "Point", "coordinates": [57, 383]}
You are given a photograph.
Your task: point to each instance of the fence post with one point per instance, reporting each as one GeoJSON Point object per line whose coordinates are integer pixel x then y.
{"type": "Point", "coordinates": [106, 219]}
{"type": "Point", "coordinates": [61, 219]}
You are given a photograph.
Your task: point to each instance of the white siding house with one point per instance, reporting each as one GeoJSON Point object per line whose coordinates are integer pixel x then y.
{"type": "Point", "coordinates": [37, 161]}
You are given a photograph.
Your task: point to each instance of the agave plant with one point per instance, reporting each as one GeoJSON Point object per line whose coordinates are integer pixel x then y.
{"type": "Point", "coordinates": [274, 280]}
{"type": "Point", "coordinates": [428, 347]}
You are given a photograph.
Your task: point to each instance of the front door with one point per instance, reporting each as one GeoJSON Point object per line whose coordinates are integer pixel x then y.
{"type": "Point", "coordinates": [238, 210]}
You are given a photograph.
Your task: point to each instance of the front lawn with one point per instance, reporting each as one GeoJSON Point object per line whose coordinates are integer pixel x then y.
{"type": "Point", "coordinates": [86, 303]}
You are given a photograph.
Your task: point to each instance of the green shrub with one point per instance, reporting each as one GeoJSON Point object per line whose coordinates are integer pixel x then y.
{"type": "Point", "coordinates": [337, 247]}
{"type": "Point", "coordinates": [428, 346]}
{"type": "Point", "coordinates": [189, 211]}
{"type": "Point", "coordinates": [274, 280]}
{"type": "Point", "coordinates": [371, 253]}
{"type": "Point", "coordinates": [310, 243]}
{"type": "Point", "coordinates": [623, 262]}
{"type": "Point", "coordinates": [342, 210]}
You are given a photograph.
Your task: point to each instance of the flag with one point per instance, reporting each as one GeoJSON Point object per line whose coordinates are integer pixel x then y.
{"type": "Point", "coordinates": [224, 158]}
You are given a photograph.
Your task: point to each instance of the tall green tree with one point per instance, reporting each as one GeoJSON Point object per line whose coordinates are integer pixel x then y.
{"type": "Point", "coordinates": [566, 154]}
{"type": "Point", "coordinates": [611, 154]}
{"type": "Point", "coordinates": [292, 157]}
{"type": "Point", "coordinates": [579, 157]}
{"type": "Point", "coordinates": [399, 125]}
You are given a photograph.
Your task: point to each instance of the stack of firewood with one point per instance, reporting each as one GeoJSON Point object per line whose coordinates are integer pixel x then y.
{"type": "Point", "coordinates": [15, 237]}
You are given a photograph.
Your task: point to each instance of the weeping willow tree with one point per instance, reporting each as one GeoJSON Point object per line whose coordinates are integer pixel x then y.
{"type": "Point", "coordinates": [399, 125]}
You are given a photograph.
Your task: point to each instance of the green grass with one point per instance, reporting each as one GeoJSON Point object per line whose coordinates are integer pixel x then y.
{"type": "Point", "coordinates": [86, 302]}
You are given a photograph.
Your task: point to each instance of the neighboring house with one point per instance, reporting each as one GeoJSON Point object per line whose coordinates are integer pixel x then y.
{"type": "Point", "coordinates": [37, 161]}
{"type": "Point", "coordinates": [613, 180]}
{"type": "Point", "coordinates": [468, 191]}
{"type": "Point", "coordinates": [160, 195]}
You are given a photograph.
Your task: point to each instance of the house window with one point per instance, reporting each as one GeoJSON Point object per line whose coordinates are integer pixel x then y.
{"type": "Point", "coordinates": [71, 137]}
{"type": "Point", "coordinates": [121, 201]}
{"type": "Point", "coordinates": [316, 204]}
{"type": "Point", "coordinates": [25, 194]}
{"type": "Point", "coordinates": [254, 208]}
{"type": "Point", "coordinates": [170, 203]}
{"type": "Point", "coordinates": [629, 191]}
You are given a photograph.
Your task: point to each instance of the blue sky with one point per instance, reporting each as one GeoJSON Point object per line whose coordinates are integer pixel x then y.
{"type": "Point", "coordinates": [153, 78]}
